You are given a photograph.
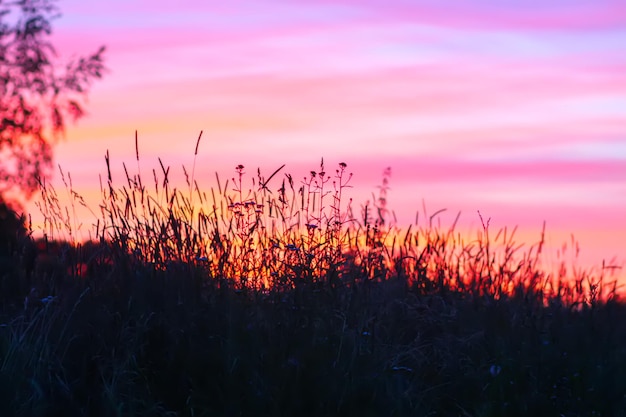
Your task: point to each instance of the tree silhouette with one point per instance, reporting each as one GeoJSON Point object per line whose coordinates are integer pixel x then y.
{"type": "Point", "coordinates": [37, 95]}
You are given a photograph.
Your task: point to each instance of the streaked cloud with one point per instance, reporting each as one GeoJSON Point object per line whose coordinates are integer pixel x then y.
{"type": "Point", "coordinates": [511, 106]}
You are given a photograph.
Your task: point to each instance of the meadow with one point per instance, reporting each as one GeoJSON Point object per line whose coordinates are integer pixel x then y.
{"type": "Point", "coordinates": [269, 296]}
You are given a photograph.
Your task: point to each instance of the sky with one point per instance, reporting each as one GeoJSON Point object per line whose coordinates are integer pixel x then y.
{"type": "Point", "coordinates": [516, 108]}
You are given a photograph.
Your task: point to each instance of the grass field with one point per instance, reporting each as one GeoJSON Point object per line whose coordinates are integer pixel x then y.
{"type": "Point", "coordinates": [269, 297]}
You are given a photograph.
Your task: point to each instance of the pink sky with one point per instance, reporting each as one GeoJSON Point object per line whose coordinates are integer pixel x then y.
{"type": "Point", "coordinates": [516, 109]}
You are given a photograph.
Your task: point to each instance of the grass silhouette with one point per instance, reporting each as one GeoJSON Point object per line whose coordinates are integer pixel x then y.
{"type": "Point", "coordinates": [263, 296]}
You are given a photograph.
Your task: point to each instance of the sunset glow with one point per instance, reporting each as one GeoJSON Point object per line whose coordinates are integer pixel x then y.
{"type": "Point", "coordinates": [516, 109]}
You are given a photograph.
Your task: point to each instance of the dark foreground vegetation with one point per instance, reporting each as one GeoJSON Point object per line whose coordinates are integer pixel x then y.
{"type": "Point", "coordinates": [279, 301]}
